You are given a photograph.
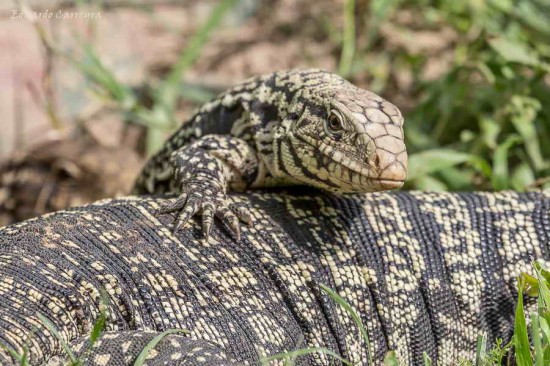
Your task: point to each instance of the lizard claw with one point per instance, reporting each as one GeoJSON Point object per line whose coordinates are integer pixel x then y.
{"type": "Point", "coordinates": [189, 204]}
{"type": "Point", "coordinates": [207, 220]}
{"type": "Point", "coordinates": [191, 208]}
{"type": "Point", "coordinates": [226, 215]}
{"type": "Point", "coordinates": [242, 213]}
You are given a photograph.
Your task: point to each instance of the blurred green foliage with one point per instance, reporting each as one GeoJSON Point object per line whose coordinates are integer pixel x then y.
{"type": "Point", "coordinates": [484, 123]}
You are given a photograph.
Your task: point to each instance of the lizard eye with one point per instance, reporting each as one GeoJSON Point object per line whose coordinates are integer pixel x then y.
{"type": "Point", "coordinates": [334, 122]}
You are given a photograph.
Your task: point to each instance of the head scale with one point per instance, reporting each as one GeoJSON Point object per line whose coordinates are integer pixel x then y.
{"type": "Point", "coordinates": [345, 139]}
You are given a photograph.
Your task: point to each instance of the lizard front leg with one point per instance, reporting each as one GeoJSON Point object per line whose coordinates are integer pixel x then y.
{"type": "Point", "coordinates": [202, 173]}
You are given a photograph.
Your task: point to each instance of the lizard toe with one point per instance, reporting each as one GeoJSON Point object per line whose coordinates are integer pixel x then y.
{"type": "Point", "coordinates": [207, 219]}
{"type": "Point", "coordinates": [190, 209]}
{"type": "Point", "coordinates": [242, 213]}
{"type": "Point", "coordinates": [172, 206]}
{"type": "Point", "coordinates": [226, 215]}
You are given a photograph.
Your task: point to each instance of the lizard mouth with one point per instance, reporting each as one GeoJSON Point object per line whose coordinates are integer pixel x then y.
{"type": "Point", "coordinates": [354, 175]}
{"type": "Point", "coordinates": [390, 183]}
{"type": "Point", "coordinates": [352, 182]}
{"type": "Point", "coordinates": [386, 177]}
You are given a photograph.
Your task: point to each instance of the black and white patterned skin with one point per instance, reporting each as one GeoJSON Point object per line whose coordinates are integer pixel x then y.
{"type": "Point", "coordinates": [427, 272]}
{"type": "Point", "coordinates": [298, 127]}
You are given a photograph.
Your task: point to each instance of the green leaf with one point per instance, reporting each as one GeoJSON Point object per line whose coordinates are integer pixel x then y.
{"type": "Point", "coordinates": [524, 111]}
{"type": "Point", "coordinates": [513, 51]}
{"type": "Point", "coordinates": [457, 178]}
{"type": "Point", "coordinates": [481, 165]}
{"type": "Point", "coordinates": [522, 177]}
{"type": "Point", "coordinates": [97, 328]}
{"type": "Point", "coordinates": [431, 161]}
{"type": "Point", "coordinates": [487, 72]}
{"type": "Point", "coordinates": [501, 179]}
{"type": "Point", "coordinates": [533, 15]}
{"type": "Point", "coordinates": [416, 138]}
{"type": "Point", "coordinates": [430, 184]}
{"type": "Point", "coordinates": [103, 78]}
{"type": "Point", "coordinates": [490, 129]}
{"type": "Point", "coordinates": [521, 339]}
{"type": "Point", "coordinates": [542, 277]}
{"type": "Point", "coordinates": [530, 285]}
{"type": "Point", "coordinates": [140, 360]}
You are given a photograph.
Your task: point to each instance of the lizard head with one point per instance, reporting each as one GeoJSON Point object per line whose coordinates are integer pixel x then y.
{"type": "Point", "coordinates": [348, 140]}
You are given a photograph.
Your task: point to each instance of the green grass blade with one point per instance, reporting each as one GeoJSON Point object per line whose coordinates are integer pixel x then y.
{"type": "Point", "coordinates": [521, 339]}
{"type": "Point", "coordinates": [303, 352]}
{"type": "Point", "coordinates": [197, 93]}
{"type": "Point", "coordinates": [16, 355]}
{"type": "Point", "coordinates": [98, 327]}
{"type": "Point", "coordinates": [524, 111]}
{"type": "Point", "coordinates": [49, 325]}
{"type": "Point", "coordinates": [25, 356]}
{"type": "Point", "coordinates": [543, 323]}
{"type": "Point", "coordinates": [481, 350]}
{"type": "Point", "coordinates": [154, 140]}
{"type": "Point", "coordinates": [501, 176]}
{"type": "Point", "coordinates": [140, 360]}
{"type": "Point", "coordinates": [165, 97]}
{"type": "Point", "coordinates": [537, 340]}
{"type": "Point", "coordinates": [348, 39]}
{"type": "Point", "coordinates": [356, 318]}
{"type": "Point", "coordinates": [106, 78]}
{"type": "Point", "coordinates": [427, 360]}
{"type": "Point", "coordinates": [168, 91]}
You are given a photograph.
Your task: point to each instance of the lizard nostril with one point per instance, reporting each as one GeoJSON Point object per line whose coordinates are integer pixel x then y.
{"type": "Point", "coordinates": [376, 160]}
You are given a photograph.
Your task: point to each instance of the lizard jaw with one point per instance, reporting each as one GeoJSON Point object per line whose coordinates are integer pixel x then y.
{"type": "Point", "coordinates": [395, 177]}
{"type": "Point", "coordinates": [350, 175]}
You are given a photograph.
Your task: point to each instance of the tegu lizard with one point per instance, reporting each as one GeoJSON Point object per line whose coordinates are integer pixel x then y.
{"type": "Point", "coordinates": [298, 127]}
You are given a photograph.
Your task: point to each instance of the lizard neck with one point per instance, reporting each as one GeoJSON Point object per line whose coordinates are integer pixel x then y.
{"type": "Point", "coordinates": [276, 119]}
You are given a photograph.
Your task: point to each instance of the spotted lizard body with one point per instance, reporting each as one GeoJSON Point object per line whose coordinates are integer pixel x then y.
{"type": "Point", "coordinates": [426, 272]}
{"type": "Point", "coordinates": [298, 127]}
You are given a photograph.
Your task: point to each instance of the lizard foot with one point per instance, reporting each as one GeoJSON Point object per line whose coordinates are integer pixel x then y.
{"type": "Point", "coordinates": [210, 206]}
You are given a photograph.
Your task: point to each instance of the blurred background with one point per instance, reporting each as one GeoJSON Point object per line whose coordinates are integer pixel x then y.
{"type": "Point", "coordinates": [89, 89]}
